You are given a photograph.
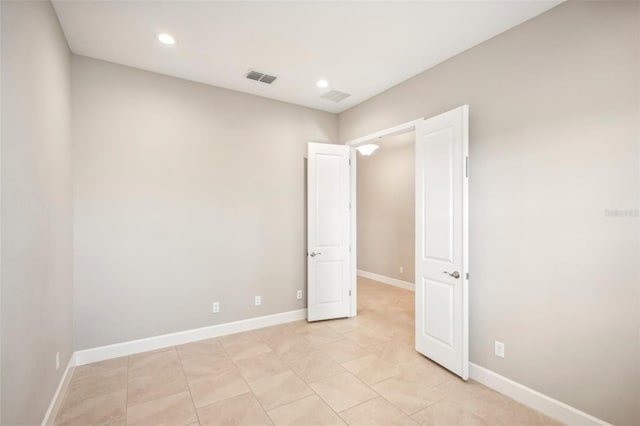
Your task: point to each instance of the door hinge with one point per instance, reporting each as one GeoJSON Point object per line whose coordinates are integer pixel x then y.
{"type": "Point", "coordinates": [349, 292]}
{"type": "Point", "coordinates": [349, 249]}
{"type": "Point", "coordinates": [467, 275]}
{"type": "Point", "coordinates": [349, 161]}
{"type": "Point", "coordinates": [466, 166]}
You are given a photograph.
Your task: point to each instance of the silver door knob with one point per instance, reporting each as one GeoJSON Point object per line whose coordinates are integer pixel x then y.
{"type": "Point", "coordinates": [314, 254]}
{"type": "Point", "coordinates": [455, 274]}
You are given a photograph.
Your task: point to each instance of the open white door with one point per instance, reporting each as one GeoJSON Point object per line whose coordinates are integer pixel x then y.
{"type": "Point", "coordinates": [328, 232]}
{"type": "Point", "coordinates": [442, 144]}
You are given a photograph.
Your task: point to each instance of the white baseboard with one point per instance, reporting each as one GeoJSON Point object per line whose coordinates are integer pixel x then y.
{"type": "Point", "coordinates": [102, 353]}
{"type": "Point", "coordinates": [534, 399]}
{"type": "Point", "coordinates": [527, 396]}
{"type": "Point", "coordinates": [387, 280]}
{"type": "Point", "coordinates": [56, 401]}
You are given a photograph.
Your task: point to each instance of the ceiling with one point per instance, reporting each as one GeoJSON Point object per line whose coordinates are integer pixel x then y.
{"type": "Point", "coordinates": [361, 48]}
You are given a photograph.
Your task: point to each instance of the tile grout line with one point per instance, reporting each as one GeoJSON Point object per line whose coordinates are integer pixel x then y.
{"type": "Point", "coordinates": [366, 384]}
{"type": "Point", "coordinates": [297, 375]}
{"type": "Point", "coordinates": [245, 380]}
{"type": "Point", "coordinates": [126, 397]}
{"type": "Point", "coordinates": [193, 403]}
{"type": "Point", "coordinates": [348, 408]}
{"type": "Point", "coordinates": [369, 400]}
{"type": "Point", "coordinates": [142, 354]}
{"type": "Point", "coordinates": [371, 387]}
{"type": "Point", "coordinates": [290, 369]}
{"type": "Point", "coordinates": [294, 372]}
{"type": "Point", "coordinates": [300, 377]}
{"type": "Point", "coordinates": [416, 412]}
{"type": "Point", "coordinates": [333, 375]}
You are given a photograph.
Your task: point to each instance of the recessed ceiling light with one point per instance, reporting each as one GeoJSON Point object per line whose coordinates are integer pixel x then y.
{"type": "Point", "coordinates": [322, 83]}
{"type": "Point", "coordinates": [166, 38]}
{"type": "Point", "coordinates": [367, 150]}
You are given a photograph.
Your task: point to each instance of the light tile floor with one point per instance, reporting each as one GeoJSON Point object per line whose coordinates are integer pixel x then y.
{"type": "Point", "coordinates": [357, 371]}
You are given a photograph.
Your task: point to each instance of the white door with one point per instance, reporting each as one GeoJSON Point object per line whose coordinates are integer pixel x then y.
{"type": "Point", "coordinates": [328, 232]}
{"type": "Point", "coordinates": [441, 240]}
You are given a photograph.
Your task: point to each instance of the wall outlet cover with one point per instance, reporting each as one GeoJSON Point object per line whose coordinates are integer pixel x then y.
{"type": "Point", "coordinates": [216, 307]}
{"type": "Point", "coordinates": [258, 300]}
{"type": "Point", "coordinates": [499, 349]}
{"type": "Point", "coordinates": [299, 294]}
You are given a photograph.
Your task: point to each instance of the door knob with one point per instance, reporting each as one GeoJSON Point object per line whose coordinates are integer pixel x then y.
{"type": "Point", "coordinates": [314, 254]}
{"type": "Point", "coordinates": [455, 274]}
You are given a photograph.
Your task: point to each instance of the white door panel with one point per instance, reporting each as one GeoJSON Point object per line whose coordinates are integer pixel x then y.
{"type": "Point", "coordinates": [439, 301]}
{"type": "Point", "coordinates": [328, 232]}
{"type": "Point", "coordinates": [438, 210]}
{"type": "Point", "coordinates": [441, 240]}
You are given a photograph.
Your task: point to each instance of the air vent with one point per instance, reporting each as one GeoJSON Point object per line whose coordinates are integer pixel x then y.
{"type": "Point", "coordinates": [261, 77]}
{"type": "Point", "coordinates": [335, 96]}
{"type": "Point", "coordinates": [254, 75]}
{"type": "Point", "coordinates": [268, 79]}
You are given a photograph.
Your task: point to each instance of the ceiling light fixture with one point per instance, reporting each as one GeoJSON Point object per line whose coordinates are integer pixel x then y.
{"type": "Point", "coordinates": [367, 150]}
{"type": "Point", "coordinates": [322, 83]}
{"type": "Point", "coordinates": [166, 39]}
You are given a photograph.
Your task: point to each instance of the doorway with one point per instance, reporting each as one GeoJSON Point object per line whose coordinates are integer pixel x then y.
{"type": "Point", "coordinates": [441, 233]}
{"type": "Point", "coordinates": [385, 196]}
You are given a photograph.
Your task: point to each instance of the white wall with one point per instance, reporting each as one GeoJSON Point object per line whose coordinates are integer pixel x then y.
{"type": "Point", "coordinates": [184, 194]}
{"type": "Point", "coordinates": [36, 222]}
{"type": "Point", "coordinates": [554, 145]}
{"type": "Point", "coordinates": [386, 208]}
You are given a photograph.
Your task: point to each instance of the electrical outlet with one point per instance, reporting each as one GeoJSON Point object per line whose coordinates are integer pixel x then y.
{"type": "Point", "coordinates": [299, 294]}
{"type": "Point", "coordinates": [499, 349]}
{"type": "Point", "coordinates": [258, 300]}
{"type": "Point", "coordinates": [57, 361]}
{"type": "Point", "coordinates": [402, 269]}
{"type": "Point", "coordinates": [216, 307]}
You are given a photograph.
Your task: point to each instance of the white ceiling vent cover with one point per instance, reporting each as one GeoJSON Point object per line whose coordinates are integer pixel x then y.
{"type": "Point", "coordinates": [261, 77]}
{"type": "Point", "coordinates": [335, 96]}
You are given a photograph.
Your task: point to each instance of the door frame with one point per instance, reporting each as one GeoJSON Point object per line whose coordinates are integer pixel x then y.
{"type": "Point", "coordinates": [409, 126]}
{"type": "Point", "coordinates": [392, 131]}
